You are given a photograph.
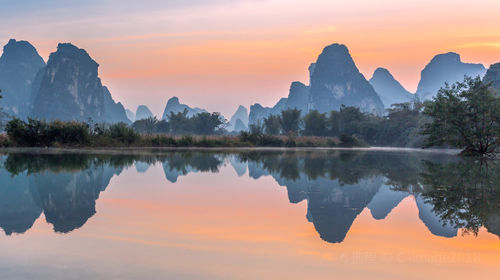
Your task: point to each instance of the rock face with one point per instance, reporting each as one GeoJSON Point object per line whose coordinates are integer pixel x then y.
{"type": "Point", "coordinates": [444, 68]}
{"type": "Point", "coordinates": [70, 89]}
{"type": "Point", "coordinates": [493, 76]}
{"type": "Point", "coordinates": [143, 112]}
{"type": "Point", "coordinates": [389, 90]}
{"type": "Point", "coordinates": [130, 115]}
{"type": "Point", "coordinates": [174, 106]}
{"type": "Point", "coordinates": [240, 126]}
{"type": "Point", "coordinates": [337, 81]}
{"type": "Point", "coordinates": [298, 98]}
{"type": "Point", "coordinates": [334, 81]}
{"type": "Point", "coordinates": [239, 120]}
{"type": "Point", "coordinates": [19, 65]}
{"type": "Point", "coordinates": [113, 112]}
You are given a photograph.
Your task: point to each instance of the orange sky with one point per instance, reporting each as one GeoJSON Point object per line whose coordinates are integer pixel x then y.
{"type": "Point", "coordinates": [219, 54]}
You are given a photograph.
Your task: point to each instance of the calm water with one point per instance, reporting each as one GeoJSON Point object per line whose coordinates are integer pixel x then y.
{"type": "Point", "coordinates": [249, 215]}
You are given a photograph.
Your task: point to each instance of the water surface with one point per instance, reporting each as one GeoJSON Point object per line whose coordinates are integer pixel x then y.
{"type": "Point", "coordinates": [248, 215]}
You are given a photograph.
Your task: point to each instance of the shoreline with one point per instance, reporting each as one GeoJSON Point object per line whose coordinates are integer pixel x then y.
{"type": "Point", "coordinates": [154, 150]}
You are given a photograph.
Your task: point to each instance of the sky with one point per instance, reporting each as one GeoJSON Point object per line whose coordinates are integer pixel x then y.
{"type": "Point", "coordinates": [219, 54]}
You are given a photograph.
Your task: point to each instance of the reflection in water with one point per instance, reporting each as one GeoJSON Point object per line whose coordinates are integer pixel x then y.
{"type": "Point", "coordinates": [450, 194]}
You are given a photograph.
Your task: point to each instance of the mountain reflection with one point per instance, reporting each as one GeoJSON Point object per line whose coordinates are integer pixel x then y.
{"type": "Point", "coordinates": [450, 193]}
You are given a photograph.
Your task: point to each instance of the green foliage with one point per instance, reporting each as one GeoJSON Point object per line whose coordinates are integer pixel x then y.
{"type": "Point", "coordinates": [259, 139]}
{"type": "Point", "coordinates": [35, 133]}
{"type": "Point", "coordinates": [180, 124]}
{"type": "Point", "coordinates": [464, 115]}
{"type": "Point", "coordinates": [290, 121]}
{"type": "Point", "coordinates": [272, 125]}
{"type": "Point", "coordinates": [349, 141]}
{"type": "Point", "coordinates": [315, 124]}
{"type": "Point", "coordinates": [123, 133]}
{"type": "Point", "coordinates": [146, 126]}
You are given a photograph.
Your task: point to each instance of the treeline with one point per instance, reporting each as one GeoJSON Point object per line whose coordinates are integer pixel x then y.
{"type": "Point", "coordinates": [35, 133]}
{"type": "Point", "coordinates": [181, 124]}
{"type": "Point", "coordinates": [348, 127]}
{"type": "Point", "coordinates": [400, 127]}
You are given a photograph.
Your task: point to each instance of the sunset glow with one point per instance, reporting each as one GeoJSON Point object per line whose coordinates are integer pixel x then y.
{"type": "Point", "coordinates": [219, 54]}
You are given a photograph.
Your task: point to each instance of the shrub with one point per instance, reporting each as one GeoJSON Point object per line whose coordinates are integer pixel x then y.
{"type": "Point", "coordinates": [123, 133]}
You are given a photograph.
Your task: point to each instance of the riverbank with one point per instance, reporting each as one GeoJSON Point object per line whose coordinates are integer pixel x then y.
{"type": "Point", "coordinates": [157, 150]}
{"type": "Point", "coordinates": [125, 138]}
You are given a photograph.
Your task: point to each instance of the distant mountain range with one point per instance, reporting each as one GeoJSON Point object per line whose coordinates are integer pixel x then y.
{"type": "Point", "coordinates": [68, 87]}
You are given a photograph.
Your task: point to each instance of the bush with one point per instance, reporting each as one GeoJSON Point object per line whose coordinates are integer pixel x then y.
{"type": "Point", "coordinates": [123, 133]}
{"type": "Point", "coordinates": [349, 141]}
{"type": "Point", "coordinates": [186, 141]}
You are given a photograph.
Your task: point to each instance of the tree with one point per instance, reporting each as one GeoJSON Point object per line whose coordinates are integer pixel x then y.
{"type": "Point", "coordinates": [179, 122]}
{"type": "Point", "coordinates": [206, 123]}
{"type": "Point", "coordinates": [315, 124]}
{"type": "Point", "coordinates": [272, 125]}
{"type": "Point", "coordinates": [147, 125]}
{"type": "Point", "coordinates": [290, 121]}
{"type": "Point", "coordinates": [465, 115]}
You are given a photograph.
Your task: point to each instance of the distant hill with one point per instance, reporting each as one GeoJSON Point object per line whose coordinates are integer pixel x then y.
{"type": "Point", "coordinates": [19, 65]}
{"type": "Point", "coordinates": [130, 115]}
{"type": "Point", "coordinates": [389, 90]}
{"type": "Point", "coordinates": [174, 106]}
{"type": "Point", "coordinates": [443, 68]}
{"type": "Point", "coordinates": [239, 120]}
{"type": "Point", "coordinates": [143, 112]}
{"type": "Point", "coordinates": [334, 81]}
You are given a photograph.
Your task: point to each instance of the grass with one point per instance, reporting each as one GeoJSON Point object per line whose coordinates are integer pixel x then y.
{"type": "Point", "coordinates": [164, 140]}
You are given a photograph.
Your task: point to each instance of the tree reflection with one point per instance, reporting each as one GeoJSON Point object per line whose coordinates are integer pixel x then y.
{"type": "Point", "coordinates": [466, 193]}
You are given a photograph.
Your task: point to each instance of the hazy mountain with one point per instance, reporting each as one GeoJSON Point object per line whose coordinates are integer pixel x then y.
{"type": "Point", "coordinates": [143, 112]}
{"type": "Point", "coordinates": [493, 76]}
{"type": "Point", "coordinates": [239, 120]}
{"type": "Point", "coordinates": [334, 81]}
{"type": "Point", "coordinates": [113, 112]}
{"type": "Point", "coordinates": [298, 98]}
{"type": "Point", "coordinates": [19, 65]}
{"type": "Point", "coordinates": [443, 68]}
{"type": "Point", "coordinates": [70, 89]}
{"type": "Point", "coordinates": [389, 90]}
{"type": "Point", "coordinates": [173, 105]}
{"type": "Point", "coordinates": [240, 126]}
{"type": "Point", "coordinates": [130, 115]}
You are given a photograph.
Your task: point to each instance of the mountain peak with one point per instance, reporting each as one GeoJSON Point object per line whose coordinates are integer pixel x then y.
{"type": "Point", "coordinates": [173, 101]}
{"type": "Point", "coordinates": [337, 81]}
{"type": "Point", "coordinates": [19, 65]}
{"type": "Point", "coordinates": [449, 56]}
{"type": "Point", "coordinates": [143, 112]}
{"type": "Point", "coordinates": [70, 89]}
{"type": "Point", "coordinates": [382, 72]}
{"type": "Point", "coordinates": [174, 106]}
{"type": "Point", "coordinates": [388, 88]}
{"type": "Point", "coordinates": [16, 51]}
{"type": "Point", "coordinates": [445, 68]}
